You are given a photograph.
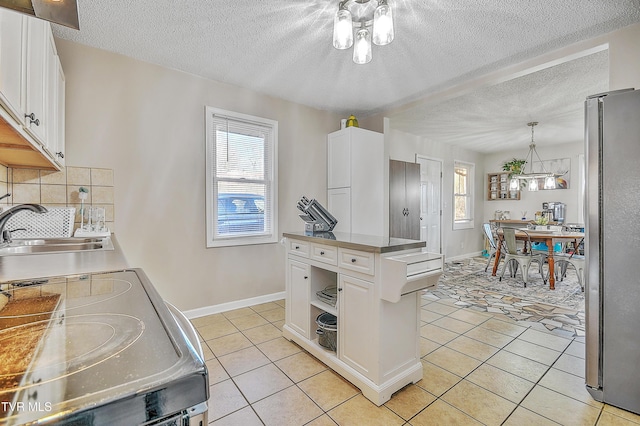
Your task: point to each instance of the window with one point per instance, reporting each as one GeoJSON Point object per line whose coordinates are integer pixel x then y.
{"type": "Point", "coordinates": [241, 179]}
{"type": "Point", "coordinates": [463, 195]}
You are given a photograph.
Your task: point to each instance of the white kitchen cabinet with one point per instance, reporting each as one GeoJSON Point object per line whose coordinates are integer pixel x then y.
{"type": "Point", "coordinates": [31, 94]}
{"type": "Point", "coordinates": [38, 54]}
{"type": "Point", "coordinates": [356, 162]}
{"type": "Point", "coordinates": [12, 25]}
{"type": "Point", "coordinates": [297, 311]}
{"type": "Point", "coordinates": [355, 331]}
{"type": "Point", "coordinates": [377, 282]}
{"type": "Point", "coordinates": [55, 141]}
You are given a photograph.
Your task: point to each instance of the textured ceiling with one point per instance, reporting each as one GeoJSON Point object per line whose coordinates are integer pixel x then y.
{"type": "Point", "coordinates": [283, 48]}
{"type": "Point", "coordinates": [495, 118]}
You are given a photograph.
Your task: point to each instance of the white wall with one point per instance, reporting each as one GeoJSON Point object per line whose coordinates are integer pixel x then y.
{"type": "Point", "coordinates": [403, 146]}
{"type": "Point", "coordinates": [532, 201]}
{"type": "Point", "coordinates": [147, 124]}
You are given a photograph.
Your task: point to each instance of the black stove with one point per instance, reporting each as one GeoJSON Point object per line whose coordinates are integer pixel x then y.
{"type": "Point", "coordinates": [95, 349]}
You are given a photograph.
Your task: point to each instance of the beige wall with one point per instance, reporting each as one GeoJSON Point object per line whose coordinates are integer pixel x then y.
{"type": "Point", "coordinates": [147, 124]}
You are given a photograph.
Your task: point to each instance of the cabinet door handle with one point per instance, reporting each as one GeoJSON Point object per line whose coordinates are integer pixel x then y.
{"type": "Point", "coordinates": [353, 260]}
{"type": "Point", "coordinates": [339, 288]}
{"type": "Point", "coordinates": [59, 154]}
{"type": "Point", "coordinates": [321, 253]}
{"type": "Point", "coordinates": [32, 119]}
{"type": "Point", "coordinates": [297, 247]}
{"type": "Point", "coordinates": [306, 277]}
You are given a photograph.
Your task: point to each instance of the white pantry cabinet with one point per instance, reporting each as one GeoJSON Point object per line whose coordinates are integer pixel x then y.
{"type": "Point", "coordinates": [355, 180]}
{"type": "Point", "coordinates": [31, 94]}
{"type": "Point", "coordinates": [377, 281]}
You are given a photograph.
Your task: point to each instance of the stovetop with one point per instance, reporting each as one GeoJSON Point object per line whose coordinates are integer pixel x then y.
{"type": "Point", "coordinates": [93, 348]}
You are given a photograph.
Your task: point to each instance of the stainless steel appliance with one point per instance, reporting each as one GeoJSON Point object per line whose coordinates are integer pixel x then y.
{"type": "Point", "coordinates": [99, 349]}
{"type": "Point", "coordinates": [316, 217]}
{"type": "Point", "coordinates": [612, 242]}
{"type": "Point", "coordinates": [555, 210]}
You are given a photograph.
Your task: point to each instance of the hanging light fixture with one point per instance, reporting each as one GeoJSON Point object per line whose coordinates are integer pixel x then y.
{"type": "Point", "coordinates": [376, 27]}
{"type": "Point", "coordinates": [532, 177]}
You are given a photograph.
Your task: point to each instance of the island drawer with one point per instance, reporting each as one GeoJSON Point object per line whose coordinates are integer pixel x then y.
{"type": "Point", "coordinates": [355, 260]}
{"type": "Point", "coordinates": [409, 272]}
{"type": "Point", "coordinates": [323, 253]}
{"type": "Point", "coordinates": [299, 248]}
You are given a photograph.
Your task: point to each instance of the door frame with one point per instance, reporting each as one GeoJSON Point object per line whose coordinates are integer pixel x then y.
{"type": "Point", "coordinates": [441, 161]}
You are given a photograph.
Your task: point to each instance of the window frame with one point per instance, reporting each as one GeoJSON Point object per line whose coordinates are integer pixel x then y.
{"type": "Point", "coordinates": [211, 197]}
{"type": "Point", "coordinates": [467, 222]}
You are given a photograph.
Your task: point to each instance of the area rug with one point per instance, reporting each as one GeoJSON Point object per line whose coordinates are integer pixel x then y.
{"type": "Point", "coordinates": [560, 310]}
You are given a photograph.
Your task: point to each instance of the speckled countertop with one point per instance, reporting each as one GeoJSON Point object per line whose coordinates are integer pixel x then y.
{"type": "Point", "coordinates": [368, 243]}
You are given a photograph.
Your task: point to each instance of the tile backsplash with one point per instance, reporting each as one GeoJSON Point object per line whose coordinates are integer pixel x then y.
{"type": "Point", "coordinates": [60, 189]}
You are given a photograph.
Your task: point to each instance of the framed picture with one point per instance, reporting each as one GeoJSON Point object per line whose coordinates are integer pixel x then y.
{"type": "Point", "coordinates": [561, 166]}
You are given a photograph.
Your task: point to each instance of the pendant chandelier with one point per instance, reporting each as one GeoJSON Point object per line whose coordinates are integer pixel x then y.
{"type": "Point", "coordinates": [532, 177]}
{"type": "Point", "coordinates": [360, 15]}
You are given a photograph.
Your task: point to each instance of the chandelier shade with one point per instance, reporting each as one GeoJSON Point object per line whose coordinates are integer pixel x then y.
{"type": "Point", "coordinates": [343, 30]}
{"type": "Point", "coordinates": [369, 24]}
{"type": "Point", "coordinates": [362, 48]}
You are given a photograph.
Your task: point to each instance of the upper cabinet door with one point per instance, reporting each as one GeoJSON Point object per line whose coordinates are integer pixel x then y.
{"type": "Point", "coordinates": [11, 62]}
{"type": "Point", "coordinates": [37, 52]}
{"type": "Point", "coordinates": [339, 159]}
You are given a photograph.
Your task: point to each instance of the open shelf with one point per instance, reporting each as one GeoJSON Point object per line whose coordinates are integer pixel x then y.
{"type": "Point", "coordinates": [325, 307]}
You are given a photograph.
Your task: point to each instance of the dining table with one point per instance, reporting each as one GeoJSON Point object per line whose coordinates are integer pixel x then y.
{"type": "Point", "coordinates": [540, 236]}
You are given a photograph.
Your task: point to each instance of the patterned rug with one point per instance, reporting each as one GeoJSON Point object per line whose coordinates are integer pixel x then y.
{"type": "Point", "coordinates": [560, 310]}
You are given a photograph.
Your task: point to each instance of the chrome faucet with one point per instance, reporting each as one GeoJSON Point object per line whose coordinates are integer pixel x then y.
{"type": "Point", "coordinates": [5, 215]}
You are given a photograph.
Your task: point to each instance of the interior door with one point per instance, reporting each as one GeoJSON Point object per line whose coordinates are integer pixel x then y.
{"type": "Point", "coordinates": [430, 202]}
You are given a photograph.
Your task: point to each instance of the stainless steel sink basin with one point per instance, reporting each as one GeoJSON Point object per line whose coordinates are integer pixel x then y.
{"type": "Point", "coordinates": [55, 245]}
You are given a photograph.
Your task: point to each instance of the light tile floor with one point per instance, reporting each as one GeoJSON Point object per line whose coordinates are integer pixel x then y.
{"type": "Point", "coordinates": [479, 368]}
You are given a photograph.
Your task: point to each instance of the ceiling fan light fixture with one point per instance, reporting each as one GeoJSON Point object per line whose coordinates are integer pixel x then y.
{"type": "Point", "coordinates": [369, 22]}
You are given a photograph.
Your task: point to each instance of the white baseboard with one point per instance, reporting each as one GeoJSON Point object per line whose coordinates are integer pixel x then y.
{"type": "Point", "coordinates": [229, 306]}
{"type": "Point", "coordinates": [463, 256]}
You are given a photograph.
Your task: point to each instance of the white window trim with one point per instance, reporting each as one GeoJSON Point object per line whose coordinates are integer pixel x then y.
{"type": "Point", "coordinates": [211, 205]}
{"type": "Point", "coordinates": [466, 223]}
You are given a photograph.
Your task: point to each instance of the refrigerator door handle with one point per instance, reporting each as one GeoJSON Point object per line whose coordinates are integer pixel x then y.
{"type": "Point", "coordinates": [593, 304]}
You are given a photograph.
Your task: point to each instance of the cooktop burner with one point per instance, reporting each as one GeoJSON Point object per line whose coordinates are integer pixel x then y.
{"type": "Point", "coordinates": [71, 343]}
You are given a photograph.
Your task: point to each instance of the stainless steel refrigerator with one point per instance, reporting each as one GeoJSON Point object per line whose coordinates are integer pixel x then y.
{"type": "Point", "coordinates": [612, 248]}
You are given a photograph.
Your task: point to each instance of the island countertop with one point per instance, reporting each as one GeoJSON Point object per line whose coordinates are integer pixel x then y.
{"type": "Point", "coordinates": [369, 243]}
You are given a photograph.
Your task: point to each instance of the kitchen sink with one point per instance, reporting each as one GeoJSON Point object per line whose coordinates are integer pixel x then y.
{"type": "Point", "coordinates": [55, 245]}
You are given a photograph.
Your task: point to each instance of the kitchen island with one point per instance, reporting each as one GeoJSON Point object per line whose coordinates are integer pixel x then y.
{"type": "Point", "coordinates": [378, 283]}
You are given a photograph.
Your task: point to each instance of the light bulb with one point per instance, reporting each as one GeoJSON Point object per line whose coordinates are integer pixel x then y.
{"type": "Point", "coordinates": [362, 47]}
{"type": "Point", "coordinates": [383, 24]}
{"type": "Point", "coordinates": [533, 184]}
{"type": "Point", "coordinates": [514, 184]}
{"type": "Point", "coordinates": [550, 182]}
{"type": "Point", "coordinates": [342, 30]}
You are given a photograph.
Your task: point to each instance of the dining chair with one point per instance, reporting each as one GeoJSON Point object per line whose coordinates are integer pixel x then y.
{"type": "Point", "coordinates": [519, 259]}
{"type": "Point", "coordinates": [564, 259]}
{"type": "Point", "coordinates": [492, 243]}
